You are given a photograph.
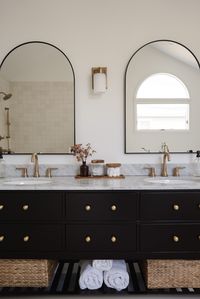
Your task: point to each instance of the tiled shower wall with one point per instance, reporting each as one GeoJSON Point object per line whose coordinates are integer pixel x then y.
{"type": "Point", "coordinates": [41, 117]}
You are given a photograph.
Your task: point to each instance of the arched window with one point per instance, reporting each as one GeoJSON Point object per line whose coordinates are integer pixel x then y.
{"type": "Point", "coordinates": [162, 103]}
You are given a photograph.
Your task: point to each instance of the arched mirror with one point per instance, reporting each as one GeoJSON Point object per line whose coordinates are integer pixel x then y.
{"type": "Point", "coordinates": [162, 99]}
{"type": "Point", "coordinates": [37, 100]}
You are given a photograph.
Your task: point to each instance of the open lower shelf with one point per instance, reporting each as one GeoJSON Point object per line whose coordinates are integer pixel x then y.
{"type": "Point", "coordinates": [65, 282]}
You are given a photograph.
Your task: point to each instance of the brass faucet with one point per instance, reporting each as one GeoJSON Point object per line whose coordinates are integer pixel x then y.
{"type": "Point", "coordinates": [34, 159]}
{"type": "Point", "coordinates": [166, 157]}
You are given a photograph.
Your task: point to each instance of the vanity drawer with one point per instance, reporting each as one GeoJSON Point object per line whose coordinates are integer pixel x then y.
{"type": "Point", "coordinates": [101, 237]}
{"type": "Point", "coordinates": [31, 205]}
{"type": "Point", "coordinates": [170, 237]}
{"type": "Point", "coordinates": [170, 206]}
{"type": "Point", "coordinates": [111, 206]}
{"type": "Point", "coordinates": [26, 237]}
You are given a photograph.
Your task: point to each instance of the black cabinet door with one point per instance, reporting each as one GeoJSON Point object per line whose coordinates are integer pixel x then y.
{"type": "Point", "coordinates": [31, 205]}
{"type": "Point", "coordinates": [100, 206]}
{"type": "Point", "coordinates": [27, 237]}
{"type": "Point", "coordinates": [170, 205]}
{"type": "Point", "coordinates": [101, 237]}
{"type": "Point", "coordinates": [169, 237]}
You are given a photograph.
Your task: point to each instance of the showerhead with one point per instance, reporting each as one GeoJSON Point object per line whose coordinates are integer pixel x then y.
{"type": "Point", "coordinates": [6, 96]}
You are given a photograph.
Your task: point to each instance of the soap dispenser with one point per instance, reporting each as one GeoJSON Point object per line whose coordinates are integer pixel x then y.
{"type": "Point", "coordinates": [2, 164]}
{"type": "Point", "coordinates": [197, 164]}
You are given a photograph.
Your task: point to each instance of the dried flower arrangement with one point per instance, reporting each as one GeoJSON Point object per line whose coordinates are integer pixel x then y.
{"type": "Point", "coordinates": [81, 152]}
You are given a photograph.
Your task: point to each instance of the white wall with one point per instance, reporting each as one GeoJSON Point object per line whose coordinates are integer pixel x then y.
{"type": "Point", "coordinates": [100, 33]}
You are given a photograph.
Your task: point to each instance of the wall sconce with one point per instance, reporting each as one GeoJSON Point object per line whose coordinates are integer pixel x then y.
{"type": "Point", "coordinates": [99, 79]}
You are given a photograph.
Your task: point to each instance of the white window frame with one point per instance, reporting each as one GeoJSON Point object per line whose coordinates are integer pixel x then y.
{"type": "Point", "coordinates": [161, 101]}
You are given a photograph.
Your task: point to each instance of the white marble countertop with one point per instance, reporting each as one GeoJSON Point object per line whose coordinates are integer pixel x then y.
{"type": "Point", "coordinates": [128, 183]}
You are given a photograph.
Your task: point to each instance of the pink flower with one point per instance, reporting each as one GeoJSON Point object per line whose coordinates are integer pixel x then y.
{"type": "Point", "coordinates": [81, 152]}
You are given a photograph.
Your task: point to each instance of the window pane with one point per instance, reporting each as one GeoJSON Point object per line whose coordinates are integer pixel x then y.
{"type": "Point", "coordinates": [162, 116]}
{"type": "Point", "coordinates": [162, 86]}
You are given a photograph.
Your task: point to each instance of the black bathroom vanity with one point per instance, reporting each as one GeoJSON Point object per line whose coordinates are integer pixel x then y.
{"type": "Point", "coordinates": [73, 222]}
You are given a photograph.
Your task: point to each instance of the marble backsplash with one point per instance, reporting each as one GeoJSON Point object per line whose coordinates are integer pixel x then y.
{"type": "Point", "coordinates": [126, 169]}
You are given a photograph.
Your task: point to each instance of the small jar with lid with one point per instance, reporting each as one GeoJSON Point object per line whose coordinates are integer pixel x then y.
{"type": "Point", "coordinates": [113, 169]}
{"type": "Point", "coordinates": [97, 168]}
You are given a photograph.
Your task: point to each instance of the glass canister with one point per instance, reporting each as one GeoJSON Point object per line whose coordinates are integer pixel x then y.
{"type": "Point", "coordinates": [113, 169]}
{"type": "Point", "coordinates": [97, 168]}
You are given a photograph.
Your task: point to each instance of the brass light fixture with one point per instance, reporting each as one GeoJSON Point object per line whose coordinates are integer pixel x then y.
{"type": "Point", "coordinates": [99, 79]}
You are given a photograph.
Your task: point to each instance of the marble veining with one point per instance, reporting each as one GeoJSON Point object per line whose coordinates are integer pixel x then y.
{"type": "Point", "coordinates": [126, 169]}
{"type": "Point", "coordinates": [128, 183]}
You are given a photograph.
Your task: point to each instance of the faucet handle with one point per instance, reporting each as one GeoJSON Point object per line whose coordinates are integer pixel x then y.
{"type": "Point", "coordinates": [176, 170]}
{"type": "Point", "coordinates": [49, 171]}
{"type": "Point", "coordinates": [152, 171]}
{"type": "Point", "coordinates": [24, 171]}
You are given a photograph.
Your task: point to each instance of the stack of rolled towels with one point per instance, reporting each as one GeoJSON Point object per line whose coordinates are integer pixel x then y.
{"type": "Point", "coordinates": [112, 272]}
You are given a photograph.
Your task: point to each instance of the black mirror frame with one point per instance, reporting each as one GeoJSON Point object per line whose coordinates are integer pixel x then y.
{"type": "Point", "coordinates": [46, 43]}
{"type": "Point", "coordinates": [126, 69]}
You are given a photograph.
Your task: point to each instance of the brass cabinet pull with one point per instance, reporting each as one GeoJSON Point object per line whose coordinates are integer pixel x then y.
{"type": "Point", "coordinates": [26, 238]}
{"type": "Point", "coordinates": [1, 238]}
{"type": "Point", "coordinates": [176, 207]}
{"type": "Point", "coordinates": [25, 207]}
{"type": "Point", "coordinates": [199, 205]}
{"type": "Point", "coordinates": [1, 207]}
{"type": "Point", "coordinates": [87, 239]}
{"type": "Point", "coordinates": [113, 239]}
{"type": "Point", "coordinates": [175, 238]}
{"type": "Point", "coordinates": [113, 207]}
{"type": "Point", "coordinates": [199, 237]}
{"type": "Point", "coordinates": [87, 208]}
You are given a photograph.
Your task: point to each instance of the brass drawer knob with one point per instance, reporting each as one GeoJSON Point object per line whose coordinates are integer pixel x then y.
{"type": "Point", "coordinates": [1, 238]}
{"type": "Point", "coordinates": [88, 239]}
{"type": "Point", "coordinates": [1, 207]}
{"type": "Point", "coordinates": [176, 207]}
{"type": "Point", "coordinates": [199, 206]}
{"type": "Point", "coordinates": [25, 207]}
{"type": "Point", "coordinates": [175, 238]}
{"type": "Point", "coordinates": [113, 239]}
{"type": "Point", "coordinates": [87, 208]}
{"type": "Point", "coordinates": [113, 207]}
{"type": "Point", "coordinates": [26, 238]}
{"type": "Point", "coordinates": [199, 237]}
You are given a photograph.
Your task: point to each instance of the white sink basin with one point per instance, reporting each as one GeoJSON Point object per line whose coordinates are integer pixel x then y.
{"type": "Point", "coordinates": [169, 181]}
{"type": "Point", "coordinates": [27, 181]}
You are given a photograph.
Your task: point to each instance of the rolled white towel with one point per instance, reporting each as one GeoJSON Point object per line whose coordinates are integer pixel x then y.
{"type": "Point", "coordinates": [90, 278]}
{"type": "Point", "coordinates": [103, 265]}
{"type": "Point", "coordinates": [117, 277]}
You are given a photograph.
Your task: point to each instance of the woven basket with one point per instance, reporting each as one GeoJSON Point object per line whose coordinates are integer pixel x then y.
{"type": "Point", "coordinates": [26, 273]}
{"type": "Point", "coordinates": [172, 273]}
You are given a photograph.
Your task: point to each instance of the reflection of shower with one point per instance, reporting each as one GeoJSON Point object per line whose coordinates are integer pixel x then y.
{"type": "Point", "coordinates": [8, 127]}
{"type": "Point", "coordinates": [6, 96]}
